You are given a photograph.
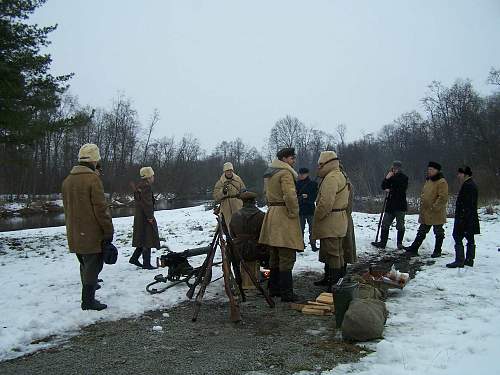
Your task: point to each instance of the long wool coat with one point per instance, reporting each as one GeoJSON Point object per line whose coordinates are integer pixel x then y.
{"type": "Point", "coordinates": [229, 202]}
{"type": "Point", "coordinates": [466, 218]}
{"type": "Point", "coordinates": [145, 233]}
{"type": "Point", "coordinates": [349, 241]}
{"type": "Point", "coordinates": [281, 227]}
{"type": "Point", "coordinates": [433, 201]}
{"type": "Point", "coordinates": [88, 220]}
{"type": "Point", "coordinates": [333, 195]}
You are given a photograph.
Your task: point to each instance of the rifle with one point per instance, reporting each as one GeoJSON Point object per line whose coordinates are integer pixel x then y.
{"type": "Point", "coordinates": [381, 216]}
{"type": "Point", "coordinates": [259, 287]}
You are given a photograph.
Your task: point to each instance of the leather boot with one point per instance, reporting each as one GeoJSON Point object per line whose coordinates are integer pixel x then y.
{"type": "Point", "coordinates": [335, 276]}
{"type": "Point", "coordinates": [459, 257]}
{"type": "Point", "coordinates": [437, 247]}
{"type": "Point", "coordinates": [324, 280]}
{"type": "Point", "coordinates": [471, 254]}
{"type": "Point", "coordinates": [134, 259]}
{"type": "Point", "coordinates": [88, 299]}
{"type": "Point", "coordinates": [146, 259]}
{"type": "Point", "coordinates": [384, 236]}
{"type": "Point", "coordinates": [273, 284]}
{"type": "Point", "coordinates": [286, 286]}
{"type": "Point", "coordinates": [401, 235]}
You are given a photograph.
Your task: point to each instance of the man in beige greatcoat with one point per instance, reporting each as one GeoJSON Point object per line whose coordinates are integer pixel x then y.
{"type": "Point", "coordinates": [226, 192]}
{"type": "Point", "coordinates": [330, 218]}
{"type": "Point", "coordinates": [281, 228]}
{"type": "Point", "coordinates": [88, 221]}
{"type": "Point", "coordinates": [433, 203]}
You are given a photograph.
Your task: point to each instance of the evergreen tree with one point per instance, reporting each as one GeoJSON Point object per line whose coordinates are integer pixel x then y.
{"type": "Point", "coordinates": [28, 92]}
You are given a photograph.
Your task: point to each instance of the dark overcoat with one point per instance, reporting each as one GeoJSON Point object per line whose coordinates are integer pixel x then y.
{"type": "Point", "coordinates": [397, 184]}
{"type": "Point", "coordinates": [466, 218]}
{"type": "Point", "coordinates": [145, 233]}
{"type": "Point", "coordinates": [309, 187]}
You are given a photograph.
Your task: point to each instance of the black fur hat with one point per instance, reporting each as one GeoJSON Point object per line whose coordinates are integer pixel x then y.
{"type": "Point", "coordinates": [465, 170]}
{"type": "Point", "coordinates": [434, 165]}
{"type": "Point", "coordinates": [285, 153]}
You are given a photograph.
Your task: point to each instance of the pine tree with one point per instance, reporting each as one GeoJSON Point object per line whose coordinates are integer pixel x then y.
{"type": "Point", "coordinates": [28, 92]}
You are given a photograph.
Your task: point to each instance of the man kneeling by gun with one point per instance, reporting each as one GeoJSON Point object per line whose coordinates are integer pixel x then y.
{"type": "Point", "coordinates": [245, 228]}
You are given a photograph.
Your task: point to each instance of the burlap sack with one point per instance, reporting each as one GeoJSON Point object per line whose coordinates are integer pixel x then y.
{"type": "Point", "coordinates": [367, 291]}
{"type": "Point", "coordinates": [364, 320]}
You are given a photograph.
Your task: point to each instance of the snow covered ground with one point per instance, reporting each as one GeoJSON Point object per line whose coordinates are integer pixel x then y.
{"type": "Point", "coordinates": [444, 321]}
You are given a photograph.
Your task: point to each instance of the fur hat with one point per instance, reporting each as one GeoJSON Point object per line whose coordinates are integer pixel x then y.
{"type": "Point", "coordinates": [285, 153]}
{"type": "Point", "coordinates": [228, 167]}
{"type": "Point", "coordinates": [248, 195]}
{"type": "Point", "coordinates": [465, 170]}
{"type": "Point", "coordinates": [397, 164]}
{"type": "Point", "coordinates": [433, 164]}
{"type": "Point", "coordinates": [89, 152]}
{"type": "Point", "coordinates": [327, 156]}
{"type": "Point", "coordinates": [146, 172]}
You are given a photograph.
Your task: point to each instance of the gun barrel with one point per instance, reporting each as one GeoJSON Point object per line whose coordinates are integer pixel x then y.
{"type": "Point", "coordinates": [196, 251]}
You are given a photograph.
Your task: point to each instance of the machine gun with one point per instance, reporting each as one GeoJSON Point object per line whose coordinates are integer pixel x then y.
{"type": "Point", "coordinates": [179, 269]}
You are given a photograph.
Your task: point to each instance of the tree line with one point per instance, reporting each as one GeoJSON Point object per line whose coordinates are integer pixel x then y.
{"type": "Point", "coordinates": [42, 127]}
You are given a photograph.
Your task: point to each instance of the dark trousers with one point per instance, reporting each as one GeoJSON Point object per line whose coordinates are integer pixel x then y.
{"type": "Point", "coordinates": [309, 220]}
{"type": "Point", "coordinates": [389, 218]}
{"type": "Point", "coordinates": [422, 231]}
{"type": "Point", "coordinates": [90, 267]}
{"type": "Point", "coordinates": [459, 246]}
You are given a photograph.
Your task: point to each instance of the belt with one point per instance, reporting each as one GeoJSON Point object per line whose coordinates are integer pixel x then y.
{"type": "Point", "coordinates": [276, 204]}
{"type": "Point", "coordinates": [339, 209]}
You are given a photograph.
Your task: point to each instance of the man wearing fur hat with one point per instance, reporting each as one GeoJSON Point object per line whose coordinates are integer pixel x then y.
{"type": "Point", "coordinates": [307, 190]}
{"type": "Point", "coordinates": [466, 220]}
{"type": "Point", "coordinates": [281, 227]}
{"type": "Point", "coordinates": [433, 202]}
{"type": "Point", "coordinates": [145, 228]}
{"type": "Point", "coordinates": [88, 222]}
{"type": "Point", "coordinates": [226, 192]}
{"type": "Point", "coordinates": [245, 228]}
{"type": "Point", "coordinates": [330, 218]}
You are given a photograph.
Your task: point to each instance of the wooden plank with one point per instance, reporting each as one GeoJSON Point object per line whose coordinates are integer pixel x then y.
{"type": "Point", "coordinates": [309, 311]}
{"type": "Point", "coordinates": [327, 308]}
{"type": "Point", "coordinates": [325, 300]}
{"type": "Point", "coordinates": [297, 306]}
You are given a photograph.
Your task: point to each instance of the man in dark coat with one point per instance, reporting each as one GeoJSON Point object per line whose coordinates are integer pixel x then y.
{"type": "Point", "coordinates": [145, 228]}
{"type": "Point", "coordinates": [395, 185]}
{"type": "Point", "coordinates": [88, 222]}
{"type": "Point", "coordinates": [307, 191]}
{"type": "Point", "coordinates": [466, 223]}
{"type": "Point", "coordinates": [245, 227]}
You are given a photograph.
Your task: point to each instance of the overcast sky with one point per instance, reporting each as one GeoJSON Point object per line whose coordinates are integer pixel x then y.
{"type": "Point", "coordinates": [222, 69]}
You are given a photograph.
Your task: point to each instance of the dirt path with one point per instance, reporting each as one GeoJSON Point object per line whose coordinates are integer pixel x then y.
{"type": "Point", "coordinates": [269, 341]}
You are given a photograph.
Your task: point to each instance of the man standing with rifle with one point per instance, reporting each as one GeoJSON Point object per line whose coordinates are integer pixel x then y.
{"type": "Point", "coordinates": [395, 185]}
{"type": "Point", "coordinates": [226, 192]}
{"type": "Point", "coordinates": [281, 227]}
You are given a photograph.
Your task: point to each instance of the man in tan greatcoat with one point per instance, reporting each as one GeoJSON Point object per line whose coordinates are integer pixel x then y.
{"type": "Point", "coordinates": [88, 221]}
{"type": "Point", "coordinates": [226, 192]}
{"type": "Point", "coordinates": [433, 203]}
{"type": "Point", "coordinates": [281, 228]}
{"type": "Point", "coordinates": [330, 218]}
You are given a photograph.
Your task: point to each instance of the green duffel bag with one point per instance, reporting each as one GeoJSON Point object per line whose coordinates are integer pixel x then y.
{"type": "Point", "coordinates": [364, 320]}
{"type": "Point", "coordinates": [367, 291]}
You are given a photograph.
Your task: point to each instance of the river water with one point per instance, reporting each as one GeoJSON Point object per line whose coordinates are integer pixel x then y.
{"type": "Point", "coordinates": [57, 219]}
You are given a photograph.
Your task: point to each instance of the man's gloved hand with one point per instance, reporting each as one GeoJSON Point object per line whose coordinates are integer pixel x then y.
{"type": "Point", "coordinates": [109, 251]}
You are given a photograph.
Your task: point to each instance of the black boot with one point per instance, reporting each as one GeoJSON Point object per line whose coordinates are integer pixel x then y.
{"type": "Point", "coordinates": [401, 235]}
{"type": "Point", "coordinates": [88, 299]}
{"type": "Point", "coordinates": [412, 250]}
{"type": "Point", "coordinates": [335, 276]}
{"type": "Point", "coordinates": [471, 254]}
{"type": "Point", "coordinates": [273, 284]}
{"type": "Point", "coordinates": [146, 259]}
{"type": "Point", "coordinates": [134, 259]}
{"type": "Point", "coordinates": [384, 236]}
{"type": "Point", "coordinates": [286, 286]}
{"type": "Point", "coordinates": [459, 257]}
{"type": "Point", "coordinates": [324, 280]}
{"type": "Point", "coordinates": [437, 247]}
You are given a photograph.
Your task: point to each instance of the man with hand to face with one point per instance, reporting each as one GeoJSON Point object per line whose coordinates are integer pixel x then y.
{"type": "Point", "coordinates": [307, 190]}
